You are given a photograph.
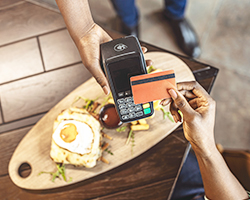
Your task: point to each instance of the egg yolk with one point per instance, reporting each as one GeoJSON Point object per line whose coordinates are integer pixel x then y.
{"type": "Point", "coordinates": [69, 133]}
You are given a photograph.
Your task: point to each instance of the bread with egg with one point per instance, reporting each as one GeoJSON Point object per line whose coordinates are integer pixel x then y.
{"type": "Point", "coordinates": [76, 138]}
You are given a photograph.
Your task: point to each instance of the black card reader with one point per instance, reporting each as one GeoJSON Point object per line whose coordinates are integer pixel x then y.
{"type": "Point", "coordinates": [121, 59]}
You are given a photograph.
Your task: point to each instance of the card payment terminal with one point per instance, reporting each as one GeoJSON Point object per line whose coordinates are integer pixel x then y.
{"type": "Point", "coordinates": [121, 59]}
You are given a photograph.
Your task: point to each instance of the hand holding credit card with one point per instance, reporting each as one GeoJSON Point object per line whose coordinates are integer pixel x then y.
{"type": "Point", "coordinates": [151, 87]}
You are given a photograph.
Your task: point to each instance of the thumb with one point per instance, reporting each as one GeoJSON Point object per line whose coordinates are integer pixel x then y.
{"type": "Point", "coordinates": [102, 81]}
{"type": "Point", "coordinates": [181, 103]}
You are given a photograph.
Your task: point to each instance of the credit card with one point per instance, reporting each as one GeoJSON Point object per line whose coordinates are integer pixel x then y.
{"type": "Point", "coordinates": [153, 86]}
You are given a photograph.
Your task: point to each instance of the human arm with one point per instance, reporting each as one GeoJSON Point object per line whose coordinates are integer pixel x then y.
{"type": "Point", "coordinates": [198, 125]}
{"type": "Point", "coordinates": [87, 36]}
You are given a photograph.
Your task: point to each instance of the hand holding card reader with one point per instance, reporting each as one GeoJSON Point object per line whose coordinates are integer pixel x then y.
{"type": "Point", "coordinates": [121, 59]}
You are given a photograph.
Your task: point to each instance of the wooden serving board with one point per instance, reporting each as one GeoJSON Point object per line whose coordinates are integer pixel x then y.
{"type": "Point", "coordinates": [34, 148]}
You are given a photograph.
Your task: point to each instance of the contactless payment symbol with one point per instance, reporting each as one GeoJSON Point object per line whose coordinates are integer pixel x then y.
{"type": "Point", "coordinates": [120, 47]}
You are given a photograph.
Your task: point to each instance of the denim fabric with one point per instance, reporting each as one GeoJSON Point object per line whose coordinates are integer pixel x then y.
{"type": "Point", "coordinates": [175, 9]}
{"type": "Point", "coordinates": [129, 14]}
{"type": "Point", "coordinates": [189, 183]}
{"type": "Point", "coordinates": [127, 11]}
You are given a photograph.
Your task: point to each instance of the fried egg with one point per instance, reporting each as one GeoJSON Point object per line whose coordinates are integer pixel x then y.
{"type": "Point", "coordinates": [76, 138]}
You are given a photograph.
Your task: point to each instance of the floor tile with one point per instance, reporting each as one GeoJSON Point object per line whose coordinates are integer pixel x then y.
{"type": "Point", "coordinates": [40, 93]}
{"type": "Point", "coordinates": [20, 123]}
{"type": "Point", "coordinates": [19, 60]}
{"type": "Point", "coordinates": [27, 20]}
{"type": "Point", "coordinates": [1, 120]}
{"type": "Point", "coordinates": [58, 49]}
{"type": "Point", "coordinates": [232, 126]}
{"type": "Point", "coordinates": [4, 3]}
{"type": "Point", "coordinates": [102, 11]}
{"type": "Point", "coordinates": [229, 38]}
{"type": "Point", "coordinates": [200, 14]}
{"type": "Point", "coordinates": [49, 4]}
{"type": "Point", "coordinates": [154, 28]}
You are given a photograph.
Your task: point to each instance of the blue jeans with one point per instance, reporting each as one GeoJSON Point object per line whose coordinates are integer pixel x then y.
{"type": "Point", "coordinates": [189, 183]}
{"type": "Point", "coordinates": [129, 14]}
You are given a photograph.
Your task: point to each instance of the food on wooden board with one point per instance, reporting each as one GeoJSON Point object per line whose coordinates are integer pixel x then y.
{"type": "Point", "coordinates": [139, 127]}
{"type": "Point", "coordinates": [76, 138]}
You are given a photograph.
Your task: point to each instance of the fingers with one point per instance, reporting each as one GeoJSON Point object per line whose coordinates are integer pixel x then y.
{"type": "Point", "coordinates": [100, 79]}
{"type": "Point", "coordinates": [144, 49]}
{"type": "Point", "coordinates": [193, 86]}
{"type": "Point", "coordinates": [187, 93]}
{"type": "Point", "coordinates": [181, 104]}
{"type": "Point", "coordinates": [149, 62]}
{"type": "Point", "coordinates": [165, 102]}
{"type": "Point", "coordinates": [174, 112]}
{"type": "Point", "coordinates": [94, 67]}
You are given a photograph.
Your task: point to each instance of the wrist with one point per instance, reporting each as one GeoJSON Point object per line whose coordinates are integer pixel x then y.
{"type": "Point", "coordinates": [204, 150]}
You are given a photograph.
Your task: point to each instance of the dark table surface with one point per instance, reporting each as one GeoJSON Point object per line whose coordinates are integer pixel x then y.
{"type": "Point", "coordinates": [152, 175]}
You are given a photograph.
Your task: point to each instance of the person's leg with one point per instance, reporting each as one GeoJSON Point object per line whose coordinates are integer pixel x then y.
{"type": "Point", "coordinates": [185, 34]}
{"type": "Point", "coordinates": [175, 9]}
{"type": "Point", "coordinates": [189, 184]}
{"type": "Point", "coordinates": [129, 15]}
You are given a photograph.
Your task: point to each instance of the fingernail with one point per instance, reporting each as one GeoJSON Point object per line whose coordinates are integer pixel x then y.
{"type": "Point", "coordinates": [175, 118]}
{"type": "Point", "coordinates": [172, 93]}
{"type": "Point", "coordinates": [163, 103]}
{"type": "Point", "coordinates": [106, 90]}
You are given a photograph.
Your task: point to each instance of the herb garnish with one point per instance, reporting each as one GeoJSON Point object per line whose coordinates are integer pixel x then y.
{"type": "Point", "coordinates": [106, 100]}
{"type": "Point", "coordinates": [132, 142]}
{"type": "Point", "coordinates": [89, 104]}
{"type": "Point", "coordinates": [121, 129]}
{"type": "Point", "coordinates": [129, 136]}
{"type": "Point", "coordinates": [180, 113]}
{"type": "Point", "coordinates": [108, 151]}
{"type": "Point", "coordinates": [167, 114]}
{"type": "Point", "coordinates": [60, 170]}
{"type": "Point", "coordinates": [151, 69]}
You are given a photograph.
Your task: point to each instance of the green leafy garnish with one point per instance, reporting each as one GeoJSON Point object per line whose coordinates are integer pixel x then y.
{"type": "Point", "coordinates": [60, 170]}
{"type": "Point", "coordinates": [106, 100]}
{"type": "Point", "coordinates": [79, 97]}
{"type": "Point", "coordinates": [89, 104]}
{"type": "Point", "coordinates": [121, 129]}
{"type": "Point", "coordinates": [129, 136]}
{"type": "Point", "coordinates": [164, 113]}
{"type": "Point", "coordinates": [150, 69]}
{"type": "Point", "coordinates": [170, 117]}
{"type": "Point", "coordinates": [132, 142]}
{"type": "Point", "coordinates": [108, 151]}
{"type": "Point", "coordinates": [180, 113]}
{"type": "Point", "coordinates": [167, 114]}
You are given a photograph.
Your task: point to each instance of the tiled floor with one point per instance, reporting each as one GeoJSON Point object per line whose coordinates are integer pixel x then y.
{"type": "Point", "coordinates": [53, 47]}
{"type": "Point", "coordinates": [39, 63]}
{"type": "Point", "coordinates": [19, 60]}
